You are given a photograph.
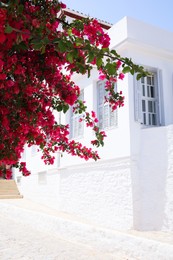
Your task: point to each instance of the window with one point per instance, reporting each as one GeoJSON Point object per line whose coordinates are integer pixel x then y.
{"type": "Point", "coordinates": [42, 178]}
{"type": "Point", "coordinates": [107, 118]}
{"type": "Point", "coordinates": [147, 100]}
{"type": "Point", "coordinates": [18, 180]}
{"type": "Point", "coordinates": [34, 149]}
{"type": "Point", "coordinates": [23, 157]}
{"type": "Point", "coordinates": [76, 127]}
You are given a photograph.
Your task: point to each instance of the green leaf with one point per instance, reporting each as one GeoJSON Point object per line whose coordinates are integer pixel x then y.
{"type": "Point", "coordinates": [91, 57]}
{"type": "Point", "coordinates": [99, 62]}
{"type": "Point", "coordinates": [111, 68]}
{"type": "Point", "coordinates": [56, 40]}
{"type": "Point", "coordinates": [22, 46]}
{"type": "Point", "coordinates": [81, 68]}
{"type": "Point", "coordinates": [89, 73]}
{"type": "Point", "coordinates": [138, 76]}
{"type": "Point", "coordinates": [35, 41]}
{"type": "Point", "coordinates": [69, 57]}
{"type": "Point", "coordinates": [69, 45]}
{"type": "Point", "coordinates": [45, 40]}
{"type": "Point", "coordinates": [62, 46]}
{"type": "Point", "coordinates": [43, 49]}
{"type": "Point", "coordinates": [38, 46]}
{"type": "Point", "coordinates": [69, 31]}
{"type": "Point", "coordinates": [20, 8]}
{"type": "Point", "coordinates": [59, 108]}
{"type": "Point", "coordinates": [115, 54]}
{"type": "Point", "coordinates": [8, 29]}
{"type": "Point", "coordinates": [75, 53]}
{"type": "Point", "coordinates": [126, 69]}
{"type": "Point", "coordinates": [65, 108]}
{"type": "Point", "coordinates": [41, 146]}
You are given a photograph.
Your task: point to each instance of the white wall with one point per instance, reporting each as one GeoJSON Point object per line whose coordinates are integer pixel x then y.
{"type": "Point", "coordinates": [131, 186]}
{"type": "Point", "coordinates": [152, 180]}
{"type": "Point", "coordinates": [149, 184]}
{"type": "Point", "coordinates": [101, 193]}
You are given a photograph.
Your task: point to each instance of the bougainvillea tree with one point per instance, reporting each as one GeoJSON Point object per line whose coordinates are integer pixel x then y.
{"type": "Point", "coordinates": [39, 52]}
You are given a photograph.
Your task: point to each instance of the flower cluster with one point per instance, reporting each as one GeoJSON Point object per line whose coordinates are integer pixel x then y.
{"type": "Point", "coordinates": [37, 60]}
{"type": "Point", "coordinates": [115, 99]}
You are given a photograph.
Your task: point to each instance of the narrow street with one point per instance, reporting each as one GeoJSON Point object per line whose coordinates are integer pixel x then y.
{"type": "Point", "coordinates": [21, 242]}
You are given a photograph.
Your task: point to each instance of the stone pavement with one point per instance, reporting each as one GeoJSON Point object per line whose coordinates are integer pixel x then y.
{"type": "Point", "coordinates": [21, 242]}
{"type": "Point", "coordinates": [32, 231]}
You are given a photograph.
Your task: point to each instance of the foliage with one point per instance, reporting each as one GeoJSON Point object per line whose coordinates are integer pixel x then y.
{"type": "Point", "coordinates": [39, 52]}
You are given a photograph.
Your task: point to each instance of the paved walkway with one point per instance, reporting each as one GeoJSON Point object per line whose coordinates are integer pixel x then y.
{"type": "Point", "coordinates": [20, 242]}
{"type": "Point", "coordinates": [30, 231]}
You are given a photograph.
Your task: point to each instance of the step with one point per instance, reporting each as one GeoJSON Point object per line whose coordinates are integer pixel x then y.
{"type": "Point", "coordinates": [13, 196]}
{"type": "Point", "coordinates": [9, 189]}
{"type": "Point", "coordinates": [6, 192]}
{"type": "Point", "coordinates": [9, 182]}
{"type": "Point", "coordinates": [9, 192]}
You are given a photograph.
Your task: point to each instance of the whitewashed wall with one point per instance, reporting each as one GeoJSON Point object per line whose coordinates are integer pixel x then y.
{"type": "Point", "coordinates": [131, 186]}
{"type": "Point", "coordinates": [101, 193]}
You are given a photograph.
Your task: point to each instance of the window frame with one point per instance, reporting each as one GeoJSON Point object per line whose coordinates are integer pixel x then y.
{"type": "Point", "coordinates": [105, 105]}
{"type": "Point", "coordinates": [74, 120]}
{"type": "Point", "coordinates": [154, 101]}
{"type": "Point", "coordinates": [42, 178]}
{"type": "Point", "coordinates": [34, 150]}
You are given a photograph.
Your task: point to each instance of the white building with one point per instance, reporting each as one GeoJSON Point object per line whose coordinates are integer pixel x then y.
{"type": "Point", "coordinates": [131, 186]}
